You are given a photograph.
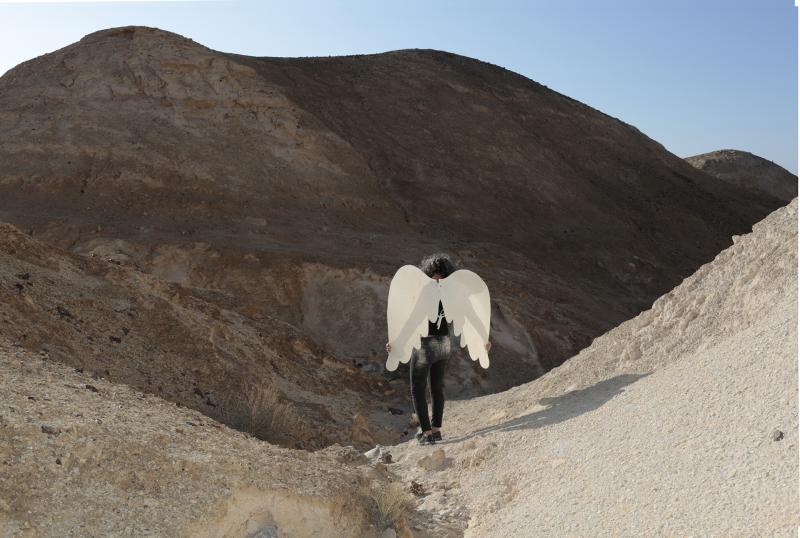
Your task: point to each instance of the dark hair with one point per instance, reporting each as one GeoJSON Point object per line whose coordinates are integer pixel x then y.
{"type": "Point", "coordinates": [437, 263]}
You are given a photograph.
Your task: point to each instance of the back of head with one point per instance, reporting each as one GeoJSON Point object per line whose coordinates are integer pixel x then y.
{"type": "Point", "coordinates": [437, 263]}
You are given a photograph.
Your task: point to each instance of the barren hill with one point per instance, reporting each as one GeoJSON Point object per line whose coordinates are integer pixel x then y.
{"type": "Point", "coordinates": [290, 189]}
{"type": "Point", "coordinates": [744, 169]}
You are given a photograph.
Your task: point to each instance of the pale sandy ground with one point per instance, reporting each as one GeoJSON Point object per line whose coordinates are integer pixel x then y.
{"type": "Point", "coordinates": [663, 426]}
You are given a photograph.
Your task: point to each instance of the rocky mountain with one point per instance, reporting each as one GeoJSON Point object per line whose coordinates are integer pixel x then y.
{"type": "Point", "coordinates": [744, 169]}
{"type": "Point", "coordinates": [252, 212]}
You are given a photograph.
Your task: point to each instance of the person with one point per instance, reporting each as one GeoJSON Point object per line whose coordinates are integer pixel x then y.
{"type": "Point", "coordinates": [430, 360]}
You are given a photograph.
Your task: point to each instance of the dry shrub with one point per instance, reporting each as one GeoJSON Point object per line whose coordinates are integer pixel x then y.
{"type": "Point", "coordinates": [258, 409]}
{"type": "Point", "coordinates": [394, 502]}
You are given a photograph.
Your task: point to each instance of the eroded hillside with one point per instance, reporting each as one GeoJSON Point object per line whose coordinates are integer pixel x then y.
{"type": "Point", "coordinates": [259, 375]}
{"type": "Point", "coordinates": [293, 188]}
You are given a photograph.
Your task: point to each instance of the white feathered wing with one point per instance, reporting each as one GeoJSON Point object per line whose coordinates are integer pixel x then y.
{"type": "Point", "coordinates": [465, 298]}
{"type": "Point", "coordinates": [413, 301]}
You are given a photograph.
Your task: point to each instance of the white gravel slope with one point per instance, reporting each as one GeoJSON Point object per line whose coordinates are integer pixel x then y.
{"type": "Point", "coordinates": [664, 426]}
{"type": "Point", "coordinates": [686, 450]}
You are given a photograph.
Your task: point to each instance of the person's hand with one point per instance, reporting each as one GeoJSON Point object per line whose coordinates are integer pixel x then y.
{"type": "Point", "coordinates": [388, 347]}
{"type": "Point", "coordinates": [488, 346]}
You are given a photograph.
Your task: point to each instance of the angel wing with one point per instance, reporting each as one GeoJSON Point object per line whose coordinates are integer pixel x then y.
{"type": "Point", "coordinates": [413, 301]}
{"type": "Point", "coordinates": [465, 298]}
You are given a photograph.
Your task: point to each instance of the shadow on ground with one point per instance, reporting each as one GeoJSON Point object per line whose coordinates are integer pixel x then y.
{"type": "Point", "coordinates": [560, 408]}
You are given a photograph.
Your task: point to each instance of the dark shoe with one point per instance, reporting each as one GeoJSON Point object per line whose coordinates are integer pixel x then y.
{"type": "Point", "coordinates": [425, 439]}
{"type": "Point", "coordinates": [437, 436]}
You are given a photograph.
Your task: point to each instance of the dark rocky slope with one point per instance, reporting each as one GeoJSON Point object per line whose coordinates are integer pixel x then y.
{"type": "Point", "coordinates": [290, 190]}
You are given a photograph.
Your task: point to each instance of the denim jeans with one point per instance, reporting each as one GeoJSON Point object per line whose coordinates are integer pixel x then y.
{"type": "Point", "coordinates": [430, 360]}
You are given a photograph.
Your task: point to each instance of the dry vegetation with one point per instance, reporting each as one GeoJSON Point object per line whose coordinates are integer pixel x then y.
{"type": "Point", "coordinates": [257, 409]}
{"type": "Point", "coordinates": [394, 502]}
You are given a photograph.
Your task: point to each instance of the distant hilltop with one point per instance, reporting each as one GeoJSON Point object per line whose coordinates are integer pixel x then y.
{"type": "Point", "coordinates": [750, 171]}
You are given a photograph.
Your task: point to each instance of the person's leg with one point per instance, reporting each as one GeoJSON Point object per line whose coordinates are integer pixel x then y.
{"type": "Point", "coordinates": [418, 372]}
{"type": "Point", "coordinates": [437, 392]}
{"type": "Point", "coordinates": [443, 352]}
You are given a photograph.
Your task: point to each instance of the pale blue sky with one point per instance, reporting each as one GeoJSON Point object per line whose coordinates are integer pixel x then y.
{"type": "Point", "coordinates": [695, 75]}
